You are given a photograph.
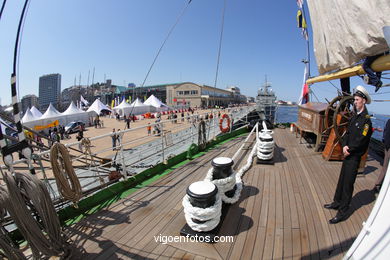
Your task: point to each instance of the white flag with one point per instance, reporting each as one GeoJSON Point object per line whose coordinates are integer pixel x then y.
{"type": "Point", "coordinates": [85, 102]}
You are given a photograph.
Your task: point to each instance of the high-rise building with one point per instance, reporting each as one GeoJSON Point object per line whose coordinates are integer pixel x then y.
{"type": "Point", "coordinates": [49, 90]}
{"type": "Point", "coordinates": [29, 101]}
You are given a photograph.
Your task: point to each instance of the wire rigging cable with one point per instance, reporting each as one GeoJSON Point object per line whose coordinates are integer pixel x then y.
{"type": "Point", "coordinates": [161, 47]}
{"type": "Point", "coordinates": [220, 43]}
{"type": "Point", "coordinates": [2, 8]}
{"type": "Point", "coordinates": [165, 40]}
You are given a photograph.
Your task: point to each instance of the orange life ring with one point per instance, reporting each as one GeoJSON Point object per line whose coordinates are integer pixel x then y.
{"type": "Point", "coordinates": [227, 128]}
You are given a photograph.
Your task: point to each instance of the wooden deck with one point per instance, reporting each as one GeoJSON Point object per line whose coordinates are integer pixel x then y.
{"type": "Point", "coordinates": [280, 214]}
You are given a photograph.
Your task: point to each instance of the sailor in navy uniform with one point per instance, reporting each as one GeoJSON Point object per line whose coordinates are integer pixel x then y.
{"type": "Point", "coordinates": [355, 144]}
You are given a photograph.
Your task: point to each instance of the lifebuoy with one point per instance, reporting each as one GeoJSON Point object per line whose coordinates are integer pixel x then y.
{"type": "Point", "coordinates": [227, 128]}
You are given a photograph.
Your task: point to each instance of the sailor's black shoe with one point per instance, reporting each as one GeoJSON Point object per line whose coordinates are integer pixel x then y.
{"type": "Point", "coordinates": [338, 218]}
{"type": "Point", "coordinates": [332, 205]}
{"type": "Point", "coordinates": [376, 189]}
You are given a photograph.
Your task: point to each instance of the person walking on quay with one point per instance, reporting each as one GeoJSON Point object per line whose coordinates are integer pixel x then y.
{"type": "Point", "coordinates": [113, 137]}
{"type": "Point", "coordinates": [149, 128]}
{"type": "Point", "coordinates": [127, 123]}
{"type": "Point", "coordinates": [355, 144]}
{"type": "Point", "coordinates": [386, 142]}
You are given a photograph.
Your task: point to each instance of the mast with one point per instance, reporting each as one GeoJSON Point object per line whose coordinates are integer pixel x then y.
{"type": "Point", "coordinates": [93, 75]}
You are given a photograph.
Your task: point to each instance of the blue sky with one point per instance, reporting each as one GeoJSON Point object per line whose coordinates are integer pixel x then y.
{"type": "Point", "coordinates": [121, 38]}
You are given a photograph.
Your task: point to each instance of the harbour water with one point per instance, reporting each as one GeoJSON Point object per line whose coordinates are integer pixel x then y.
{"type": "Point", "coordinates": [288, 114]}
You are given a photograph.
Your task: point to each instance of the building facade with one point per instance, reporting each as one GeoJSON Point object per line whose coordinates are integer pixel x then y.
{"type": "Point", "coordinates": [189, 94]}
{"type": "Point", "coordinates": [49, 90]}
{"type": "Point", "coordinates": [28, 101]}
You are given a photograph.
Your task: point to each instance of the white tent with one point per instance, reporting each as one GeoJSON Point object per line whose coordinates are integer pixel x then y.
{"type": "Point", "coordinates": [72, 109]}
{"type": "Point", "coordinates": [36, 113]}
{"type": "Point", "coordinates": [50, 112]}
{"type": "Point", "coordinates": [139, 108]}
{"type": "Point", "coordinates": [72, 113]}
{"type": "Point", "coordinates": [155, 102]}
{"type": "Point", "coordinates": [50, 116]}
{"type": "Point", "coordinates": [28, 116]}
{"type": "Point", "coordinates": [97, 107]}
{"type": "Point", "coordinates": [123, 108]}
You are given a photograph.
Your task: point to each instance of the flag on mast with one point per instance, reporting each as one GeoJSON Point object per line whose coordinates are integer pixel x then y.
{"type": "Point", "coordinates": [84, 101]}
{"type": "Point", "coordinates": [302, 24]}
{"type": "Point", "coordinates": [304, 98]}
{"type": "Point", "coordinates": [300, 3]}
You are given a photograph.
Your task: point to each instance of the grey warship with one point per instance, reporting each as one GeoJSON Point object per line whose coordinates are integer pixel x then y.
{"type": "Point", "coordinates": [265, 103]}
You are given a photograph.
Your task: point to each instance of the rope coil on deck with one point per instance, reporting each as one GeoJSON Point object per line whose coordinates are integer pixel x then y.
{"type": "Point", "coordinates": [209, 216]}
{"type": "Point", "coordinates": [62, 166]}
{"type": "Point", "coordinates": [228, 183]}
{"type": "Point", "coordinates": [212, 214]}
{"type": "Point", "coordinates": [265, 145]}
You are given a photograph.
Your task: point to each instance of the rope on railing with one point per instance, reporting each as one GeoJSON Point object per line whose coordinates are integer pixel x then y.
{"type": "Point", "coordinates": [62, 166]}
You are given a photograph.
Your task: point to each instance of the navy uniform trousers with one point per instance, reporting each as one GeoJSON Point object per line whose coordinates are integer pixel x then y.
{"type": "Point", "coordinates": [344, 189]}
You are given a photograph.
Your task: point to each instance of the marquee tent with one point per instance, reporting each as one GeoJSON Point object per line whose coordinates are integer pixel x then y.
{"type": "Point", "coordinates": [28, 116]}
{"type": "Point", "coordinates": [123, 108]}
{"type": "Point", "coordinates": [36, 113]}
{"type": "Point", "coordinates": [97, 107]}
{"type": "Point", "coordinates": [156, 103]}
{"type": "Point", "coordinates": [139, 108]}
{"type": "Point", "coordinates": [72, 113]}
{"type": "Point", "coordinates": [50, 112]}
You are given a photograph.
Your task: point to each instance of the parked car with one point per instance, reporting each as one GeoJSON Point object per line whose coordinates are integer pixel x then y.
{"type": "Point", "coordinates": [74, 127]}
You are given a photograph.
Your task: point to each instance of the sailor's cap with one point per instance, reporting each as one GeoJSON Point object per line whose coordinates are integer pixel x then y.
{"type": "Point", "coordinates": [362, 92]}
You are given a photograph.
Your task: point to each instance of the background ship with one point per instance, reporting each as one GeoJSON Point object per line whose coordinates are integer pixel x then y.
{"type": "Point", "coordinates": [265, 102]}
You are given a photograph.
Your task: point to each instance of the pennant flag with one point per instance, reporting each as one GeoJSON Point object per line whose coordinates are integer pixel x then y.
{"type": "Point", "coordinates": [83, 101]}
{"type": "Point", "coordinates": [301, 20]}
{"type": "Point", "coordinates": [305, 88]}
{"type": "Point", "coordinates": [300, 3]}
{"type": "Point", "coordinates": [302, 24]}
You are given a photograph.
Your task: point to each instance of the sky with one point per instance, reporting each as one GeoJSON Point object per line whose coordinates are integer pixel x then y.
{"type": "Point", "coordinates": [120, 39]}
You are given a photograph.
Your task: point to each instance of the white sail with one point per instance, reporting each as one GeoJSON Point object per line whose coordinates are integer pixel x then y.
{"type": "Point", "coordinates": [344, 32]}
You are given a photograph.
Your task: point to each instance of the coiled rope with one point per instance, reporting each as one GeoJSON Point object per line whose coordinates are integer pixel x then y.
{"type": "Point", "coordinates": [10, 250]}
{"type": "Point", "coordinates": [228, 183]}
{"type": "Point", "coordinates": [202, 140]}
{"type": "Point", "coordinates": [62, 167]}
{"type": "Point", "coordinates": [208, 218]}
{"type": "Point", "coordinates": [45, 237]}
{"type": "Point", "coordinates": [86, 143]}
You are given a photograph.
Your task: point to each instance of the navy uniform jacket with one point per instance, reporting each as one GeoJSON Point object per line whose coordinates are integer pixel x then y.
{"type": "Point", "coordinates": [386, 135]}
{"type": "Point", "coordinates": [358, 134]}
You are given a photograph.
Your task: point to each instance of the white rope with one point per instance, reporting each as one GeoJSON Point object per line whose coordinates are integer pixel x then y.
{"type": "Point", "coordinates": [265, 145]}
{"type": "Point", "coordinates": [210, 215]}
{"type": "Point", "coordinates": [228, 183]}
